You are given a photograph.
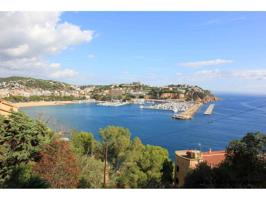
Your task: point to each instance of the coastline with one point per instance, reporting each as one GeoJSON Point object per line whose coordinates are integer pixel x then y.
{"type": "Point", "coordinates": [42, 103]}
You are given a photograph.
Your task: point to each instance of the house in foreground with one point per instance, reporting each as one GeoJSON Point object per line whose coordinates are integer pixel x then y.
{"type": "Point", "coordinates": [187, 160]}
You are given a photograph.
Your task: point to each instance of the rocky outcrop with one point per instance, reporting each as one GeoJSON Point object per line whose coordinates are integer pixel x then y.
{"type": "Point", "coordinates": [208, 99]}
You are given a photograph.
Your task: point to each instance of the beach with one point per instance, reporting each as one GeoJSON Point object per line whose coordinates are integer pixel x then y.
{"type": "Point", "coordinates": [42, 103]}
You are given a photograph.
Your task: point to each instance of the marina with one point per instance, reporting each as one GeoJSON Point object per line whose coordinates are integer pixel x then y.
{"type": "Point", "coordinates": [115, 104]}
{"type": "Point", "coordinates": [171, 106]}
{"type": "Point", "coordinates": [189, 113]}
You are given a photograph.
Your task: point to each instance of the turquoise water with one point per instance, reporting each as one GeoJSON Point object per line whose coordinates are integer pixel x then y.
{"type": "Point", "coordinates": [232, 118]}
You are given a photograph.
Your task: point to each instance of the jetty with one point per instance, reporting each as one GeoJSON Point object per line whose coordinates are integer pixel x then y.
{"type": "Point", "coordinates": [114, 104]}
{"type": "Point", "coordinates": [209, 109]}
{"type": "Point", "coordinates": [6, 108]}
{"type": "Point", "coordinates": [189, 113]}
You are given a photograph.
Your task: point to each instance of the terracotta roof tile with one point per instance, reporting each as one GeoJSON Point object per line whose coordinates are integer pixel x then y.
{"type": "Point", "coordinates": [213, 158]}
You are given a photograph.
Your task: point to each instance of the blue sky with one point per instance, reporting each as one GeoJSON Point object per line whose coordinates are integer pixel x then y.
{"type": "Point", "coordinates": [220, 51]}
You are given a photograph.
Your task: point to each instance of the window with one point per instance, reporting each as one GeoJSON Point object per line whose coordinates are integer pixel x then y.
{"type": "Point", "coordinates": [177, 168]}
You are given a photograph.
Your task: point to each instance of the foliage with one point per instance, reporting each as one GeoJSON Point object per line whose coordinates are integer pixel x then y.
{"type": "Point", "coordinates": [22, 177]}
{"type": "Point", "coordinates": [20, 141]}
{"type": "Point", "coordinates": [84, 143]}
{"type": "Point", "coordinates": [91, 175]}
{"type": "Point", "coordinates": [117, 140]}
{"type": "Point", "coordinates": [58, 165]}
{"type": "Point", "coordinates": [31, 156]}
{"type": "Point", "coordinates": [244, 166]}
{"type": "Point", "coordinates": [151, 164]}
{"type": "Point", "coordinates": [133, 164]}
{"type": "Point", "coordinates": [167, 178]}
{"type": "Point", "coordinates": [130, 174]}
{"type": "Point", "coordinates": [16, 99]}
{"type": "Point", "coordinates": [201, 177]}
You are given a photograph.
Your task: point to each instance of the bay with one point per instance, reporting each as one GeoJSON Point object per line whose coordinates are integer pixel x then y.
{"type": "Point", "coordinates": [233, 117]}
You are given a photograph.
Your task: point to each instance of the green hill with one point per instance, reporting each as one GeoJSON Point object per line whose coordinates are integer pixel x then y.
{"type": "Point", "coordinates": [35, 83]}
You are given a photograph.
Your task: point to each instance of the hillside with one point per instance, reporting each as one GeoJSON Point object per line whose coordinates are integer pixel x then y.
{"type": "Point", "coordinates": [17, 89]}
{"type": "Point", "coordinates": [16, 81]}
{"type": "Point", "coordinates": [24, 89]}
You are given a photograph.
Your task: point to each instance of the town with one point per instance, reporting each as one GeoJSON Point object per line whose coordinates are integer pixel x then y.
{"type": "Point", "coordinates": [17, 89]}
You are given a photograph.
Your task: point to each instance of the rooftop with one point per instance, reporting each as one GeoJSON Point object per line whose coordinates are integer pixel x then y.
{"type": "Point", "coordinates": [213, 158]}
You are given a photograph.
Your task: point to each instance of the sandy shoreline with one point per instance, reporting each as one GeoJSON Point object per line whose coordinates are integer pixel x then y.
{"type": "Point", "coordinates": [42, 103]}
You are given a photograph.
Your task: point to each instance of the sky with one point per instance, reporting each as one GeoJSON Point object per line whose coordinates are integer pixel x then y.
{"type": "Point", "coordinates": [219, 51]}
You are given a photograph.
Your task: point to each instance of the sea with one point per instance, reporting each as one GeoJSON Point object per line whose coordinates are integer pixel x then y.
{"type": "Point", "coordinates": [232, 118]}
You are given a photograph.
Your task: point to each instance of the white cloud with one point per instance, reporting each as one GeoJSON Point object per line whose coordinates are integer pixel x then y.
{"type": "Point", "coordinates": [28, 37]}
{"type": "Point", "coordinates": [244, 74]}
{"type": "Point", "coordinates": [205, 63]}
{"type": "Point", "coordinates": [17, 51]}
{"type": "Point", "coordinates": [55, 65]}
{"type": "Point", "coordinates": [65, 73]}
{"type": "Point", "coordinates": [209, 73]}
{"type": "Point", "coordinates": [257, 74]}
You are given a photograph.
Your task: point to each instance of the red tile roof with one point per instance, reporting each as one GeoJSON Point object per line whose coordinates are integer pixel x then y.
{"type": "Point", "coordinates": [213, 158]}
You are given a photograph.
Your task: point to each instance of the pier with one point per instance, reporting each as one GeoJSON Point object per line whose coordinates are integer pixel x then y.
{"type": "Point", "coordinates": [209, 110]}
{"type": "Point", "coordinates": [115, 104]}
{"type": "Point", "coordinates": [189, 113]}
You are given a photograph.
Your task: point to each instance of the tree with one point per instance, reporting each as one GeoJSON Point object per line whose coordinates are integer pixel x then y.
{"type": "Point", "coordinates": [151, 163]}
{"type": "Point", "coordinates": [58, 165]}
{"type": "Point", "coordinates": [132, 164]}
{"type": "Point", "coordinates": [245, 163]}
{"type": "Point", "coordinates": [20, 141]}
{"type": "Point", "coordinates": [22, 177]}
{"type": "Point", "coordinates": [91, 175]}
{"type": "Point", "coordinates": [167, 178]}
{"type": "Point", "coordinates": [201, 177]}
{"type": "Point", "coordinates": [84, 143]}
{"type": "Point", "coordinates": [243, 167]}
{"type": "Point", "coordinates": [117, 140]}
{"type": "Point", "coordinates": [130, 174]}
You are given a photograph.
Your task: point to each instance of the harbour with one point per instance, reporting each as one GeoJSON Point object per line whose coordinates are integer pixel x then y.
{"type": "Point", "coordinates": [155, 127]}
{"type": "Point", "coordinates": [170, 106]}
{"type": "Point", "coordinates": [189, 113]}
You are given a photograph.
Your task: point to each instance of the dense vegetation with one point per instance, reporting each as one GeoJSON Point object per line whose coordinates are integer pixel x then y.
{"type": "Point", "coordinates": [244, 166]}
{"type": "Point", "coordinates": [21, 140]}
{"type": "Point", "coordinates": [15, 99]}
{"type": "Point", "coordinates": [31, 155]}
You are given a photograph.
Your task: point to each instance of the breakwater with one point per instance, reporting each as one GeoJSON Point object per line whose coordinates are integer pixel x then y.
{"type": "Point", "coordinates": [189, 113]}
{"type": "Point", "coordinates": [209, 110]}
